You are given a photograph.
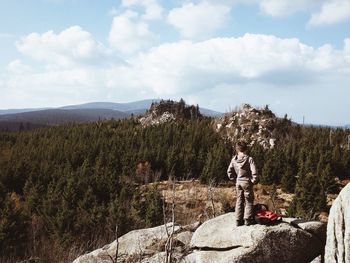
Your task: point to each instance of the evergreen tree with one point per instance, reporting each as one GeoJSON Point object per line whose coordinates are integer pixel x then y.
{"type": "Point", "coordinates": [154, 208]}
{"type": "Point", "coordinates": [309, 197]}
{"type": "Point", "coordinates": [288, 180]}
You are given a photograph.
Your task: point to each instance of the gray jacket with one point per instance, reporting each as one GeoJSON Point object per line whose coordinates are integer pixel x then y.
{"type": "Point", "coordinates": [243, 168]}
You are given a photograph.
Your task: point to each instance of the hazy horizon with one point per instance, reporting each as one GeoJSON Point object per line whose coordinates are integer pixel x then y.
{"type": "Point", "coordinates": [304, 119]}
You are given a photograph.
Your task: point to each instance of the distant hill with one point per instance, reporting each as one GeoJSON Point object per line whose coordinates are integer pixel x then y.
{"type": "Point", "coordinates": [129, 106]}
{"type": "Point", "coordinates": [11, 119]}
{"type": "Point", "coordinates": [135, 107]}
{"type": "Point", "coordinates": [210, 113]}
{"type": "Point", "coordinates": [53, 117]}
{"type": "Point", "coordinates": [13, 111]}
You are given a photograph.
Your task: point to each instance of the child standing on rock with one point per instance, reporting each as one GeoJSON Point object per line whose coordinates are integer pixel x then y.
{"type": "Point", "coordinates": [243, 169]}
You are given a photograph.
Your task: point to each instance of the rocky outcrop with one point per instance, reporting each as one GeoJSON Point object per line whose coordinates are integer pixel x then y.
{"type": "Point", "coordinates": [156, 120]}
{"type": "Point", "coordinates": [168, 111]}
{"type": "Point", "coordinates": [338, 229]}
{"type": "Point", "coordinates": [219, 240]}
{"type": "Point", "coordinates": [248, 123]}
{"type": "Point", "coordinates": [133, 245]}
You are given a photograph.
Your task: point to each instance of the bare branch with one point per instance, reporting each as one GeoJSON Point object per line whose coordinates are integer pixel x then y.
{"type": "Point", "coordinates": [117, 241]}
{"type": "Point", "coordinates": [164, 215]}
{"type": "Point", "coordinates": [115, 259]}
{"type": "Point", "coordinates": [169, 242]}
{"type": "Point", "coordinates": [211, 195]}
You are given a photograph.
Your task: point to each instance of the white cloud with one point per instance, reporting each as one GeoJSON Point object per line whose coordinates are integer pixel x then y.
{"type": "Point", "coordinates": [128, 3]}
{"type": "Point", "coordinates": [17, 67]}
{"type": "Point", "coordinates": [188, 68]}
{"type": "Point", "coordinates": [69, 86]}
{"type": "Point", "coordinates": [347, 46]}
{"type": "Point", "coordinates": [199, 20]}
{"type": "Point", "coordinates": [128, 34]}
{"type": "Point", "coordinates": [252, 68]}
{"type": "Point", "coordinates": [70, 46]}
{"type": "Point", "coordinates": [323, 12]}
{"type": "Point", "coordinates": [153, 10]}
{"type": "Point", "coordinates": [332, 12]}
{"type": "Point", "coordinates": [280, 8]}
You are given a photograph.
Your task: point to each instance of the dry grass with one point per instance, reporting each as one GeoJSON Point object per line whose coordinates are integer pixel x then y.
{"type": "Point", "coordinates": [193, 203]}
{"type": "Point", "coordinates": [49, 251]}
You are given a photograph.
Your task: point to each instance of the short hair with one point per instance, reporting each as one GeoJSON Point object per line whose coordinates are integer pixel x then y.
{"type": "Point", "coordinates": [241, 146]}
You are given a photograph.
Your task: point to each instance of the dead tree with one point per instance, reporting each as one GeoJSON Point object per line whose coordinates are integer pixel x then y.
{"type": "Point", "coordinates": [170, 235]}
{"type": "Point", "coordinates": [273, 196]}
{"type": "Point", "coordinates": [211, 195]}
{"type": "Point", "coordinates": [115, 259]}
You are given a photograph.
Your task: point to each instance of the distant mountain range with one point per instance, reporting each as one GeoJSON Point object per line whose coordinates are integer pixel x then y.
{"type": "Point", "coordinates": [15, 119]}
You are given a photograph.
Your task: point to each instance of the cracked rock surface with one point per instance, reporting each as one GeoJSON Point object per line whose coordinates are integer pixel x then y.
{"type": "Point", "coordinates": [134, 245]}
{"type": "Point", "coordinates": [220, 240]}
{"type": "Point", "coordinates": [223, 241]}
{"type": "Point", "coordinates": [338, 229]}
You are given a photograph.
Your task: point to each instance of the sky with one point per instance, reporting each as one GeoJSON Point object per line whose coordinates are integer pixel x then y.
{"type": "Point", "coordinates": [291, 55]}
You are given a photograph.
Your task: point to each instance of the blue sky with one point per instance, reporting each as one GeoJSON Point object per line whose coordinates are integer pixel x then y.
{"type": "Point", "coordinates": [292, 55]}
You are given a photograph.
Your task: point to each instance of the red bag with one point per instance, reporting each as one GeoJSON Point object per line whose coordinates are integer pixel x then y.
{"type": "Point", "coordinates": [263, 216]}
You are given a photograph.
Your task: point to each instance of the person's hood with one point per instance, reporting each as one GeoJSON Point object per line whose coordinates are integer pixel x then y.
{"type": "Point", "coordinates": [241, 159]}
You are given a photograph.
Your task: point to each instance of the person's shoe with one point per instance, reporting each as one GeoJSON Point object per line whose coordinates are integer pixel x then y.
{"type": "Point", "coordinates": [239, 223]}
{"type": "Point", "coordinates": [249, 222]}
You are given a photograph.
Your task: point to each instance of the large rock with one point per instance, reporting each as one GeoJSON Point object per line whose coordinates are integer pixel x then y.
{"type": "Point", "coordinates": [316, 228]}
{"type": "Point", "coordinates": [338, 229]}
{"type": "Point", "coordinates": [219, 240]}
{"type": "Point", "coordinates": [134, 244]}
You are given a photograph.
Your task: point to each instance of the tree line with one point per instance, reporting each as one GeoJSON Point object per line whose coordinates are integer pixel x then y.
{"type": "Point", "coordinates": [71, 184]}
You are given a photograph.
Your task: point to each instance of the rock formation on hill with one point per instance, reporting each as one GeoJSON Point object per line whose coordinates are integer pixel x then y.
{"type": "Point", "coordinates": [219, 240]}
{"type": "Point", "coordinates": [255, 125]}
{"type": "Point", "coordinates": [338, 229]}
{"type": "Point", "coordinates": [249, 123]}
{"type": "Point", "coordinates": [167, 111]}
